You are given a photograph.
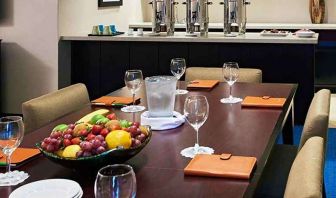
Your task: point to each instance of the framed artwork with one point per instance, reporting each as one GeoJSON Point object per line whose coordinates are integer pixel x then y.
{"type": "Point", "coordinates": [104, 3]}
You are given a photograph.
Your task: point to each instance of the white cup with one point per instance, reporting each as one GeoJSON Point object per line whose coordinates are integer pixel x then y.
{"type": "Point", "coordinates": [140, 31]}
{"type": "Point", "coordinates": [130, 31]}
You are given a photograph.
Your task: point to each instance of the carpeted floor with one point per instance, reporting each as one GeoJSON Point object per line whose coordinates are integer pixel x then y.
{"type": "Point", "coordinates": [330, 164]}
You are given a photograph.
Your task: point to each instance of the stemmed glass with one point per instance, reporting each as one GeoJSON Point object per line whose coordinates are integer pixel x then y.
{"type": "Point", "coordinates": [11, 136]}
{"type": "Point", "coordinates": [133, 80]}
{"type": "Point", "coordinates": [177, 68]}
{"type": "Point", "coordinates": [115, 181]}
{"type": "Point", "coordinates": [230, 74]}
{"type": "Point", "coordinates": [196, 111]}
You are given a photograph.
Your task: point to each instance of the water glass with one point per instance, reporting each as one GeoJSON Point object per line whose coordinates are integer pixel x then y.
{"type": "Point", "coordinates": [177, 68]}
{"type": "Point", "coordinates": [115, 181]}
{"type": "Point", "coordinates": [230, 75]}
{"type": "Point", "coordinates": [11, 136]}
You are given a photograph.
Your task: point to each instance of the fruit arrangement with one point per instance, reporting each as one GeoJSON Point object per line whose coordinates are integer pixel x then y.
{"type": "Point", "coordinates": [94, 134]}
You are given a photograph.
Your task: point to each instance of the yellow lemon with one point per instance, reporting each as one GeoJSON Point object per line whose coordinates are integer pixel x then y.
{"type": "Point", "coordinates": [70, 151]}
{"type": "Point", "coordinates": [59, 153]}
{"type": "Point", "coordinates": [118, 138]}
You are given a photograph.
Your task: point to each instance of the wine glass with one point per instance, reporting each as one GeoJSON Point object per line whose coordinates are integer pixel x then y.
{"type": "Point", "coordinates": [230, 74]}
{"type": "Point", "coordinates": [177, 68]}
{"type": "Point", "coordinates": [133, 80]}
{"type": "Point", "coordinates": [11, 135]}
{"type": "Point", "coordinates": [115, 181]}
{"type": "Point", "coordinates": [196, 111]}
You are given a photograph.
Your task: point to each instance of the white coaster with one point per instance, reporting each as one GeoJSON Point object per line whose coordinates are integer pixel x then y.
{"type": "Point", "coordinates": [191, 34]}
{"type": "Point", "coordinates": [12, 178]}
{"type": "Point", "coordinates": [231, 100]}
{"type": "Point", "coordinates": [132, 108]}
{"type": "Point", "coordinates": [190, 151]}
{"type": "Point", "coordinates": [181, 92]}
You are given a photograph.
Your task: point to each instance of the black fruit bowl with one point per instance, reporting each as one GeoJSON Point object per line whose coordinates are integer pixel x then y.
{"type": "Point", "coordinates": [114, 156]}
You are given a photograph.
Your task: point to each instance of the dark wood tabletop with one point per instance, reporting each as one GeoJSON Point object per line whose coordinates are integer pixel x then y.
{"type": "Point", "coordinates": [159, 166]}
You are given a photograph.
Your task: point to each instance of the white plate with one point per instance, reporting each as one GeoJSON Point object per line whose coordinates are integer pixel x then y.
{"type": "Point", "coordinates": [50, 188]}
{"type": "Point", "coordinates": [269, 33]}
{"type": "Point", "coordinates": [305, 34]}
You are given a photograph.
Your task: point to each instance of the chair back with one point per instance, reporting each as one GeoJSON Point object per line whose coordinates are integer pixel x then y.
{"type": "Point", "coordinates": [305, 178]}
{"type": "Point", "coordinates": [44, 109]}
{"type": "Point", "coordinates": [317, 120]}
{"type": "Point", "coordinates": [213, 73]}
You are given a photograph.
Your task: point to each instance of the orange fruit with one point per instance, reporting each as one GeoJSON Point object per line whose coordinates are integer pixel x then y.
{"type": "Point", "coordinates": [118, 138]}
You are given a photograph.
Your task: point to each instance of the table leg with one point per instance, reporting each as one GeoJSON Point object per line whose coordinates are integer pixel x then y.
{"type": "Point", "coordinates": [287, 132]}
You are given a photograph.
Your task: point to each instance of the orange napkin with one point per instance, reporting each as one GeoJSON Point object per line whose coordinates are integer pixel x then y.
{"type": "Point", "coordinates": [20, 155]}
{"type": "Point", "coordinates": [109, 100]}
{"type": "Point", "coordinates": [265, 101]}
{"type": "Point", "coordinates": [202, 84]}
{"type": "Point", "coordinates": [224, 165]}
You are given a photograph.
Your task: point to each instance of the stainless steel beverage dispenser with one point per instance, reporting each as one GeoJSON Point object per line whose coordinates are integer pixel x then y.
{"type": "Point", "coordinates": [163, 16]}
{"type": "Point", "coordinates": [197, 17]}
{"type": "Point", "coordinates": [235, 16]}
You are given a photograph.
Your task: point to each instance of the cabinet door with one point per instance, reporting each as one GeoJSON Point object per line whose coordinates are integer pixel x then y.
{"type": "Point", "coordinates": [114, 63]}
{"type": "Point", "coordinates": [144, 56]}
{"type": "Point", "coordinates": [85, 65]}
{"type": "Point", "coordinates": [168, 51]}
{"type": "Point", "coordinates": [203, 55]}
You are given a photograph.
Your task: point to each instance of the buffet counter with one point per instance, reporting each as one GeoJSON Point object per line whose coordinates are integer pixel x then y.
{"type": "Point", "coordinates": [213, 37]}
{"type": "Point", "coordinates": [257, 26]}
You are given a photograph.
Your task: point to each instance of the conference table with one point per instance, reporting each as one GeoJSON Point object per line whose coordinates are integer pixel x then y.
{"type": "Point", "coordinates": [230, 128]}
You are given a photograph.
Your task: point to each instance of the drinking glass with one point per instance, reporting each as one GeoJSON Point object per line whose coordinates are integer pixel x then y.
{"type": "Point", "coordinates": [230, 75]}
{"type": "Point", "coordinates": [115, 181]}
{"type": "Point", "coordinates": [133, 80]}
{"type": "Point", "coordinates": [11, 135]}
{"type": "Point", "coordinates": [177, 68]}
{"type": "Point", "coordinates": [196, 111]}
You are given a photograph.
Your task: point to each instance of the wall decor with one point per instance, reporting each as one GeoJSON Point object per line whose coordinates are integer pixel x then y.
{"type": "Point", "coordinates": [317, 10]}
{"type": "Point", "coordinates": [104, 3]}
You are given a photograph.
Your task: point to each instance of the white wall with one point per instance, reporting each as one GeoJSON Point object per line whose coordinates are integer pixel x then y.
{"type": "Point", "coordinates": [76, 17]}
{"type": "Point", "coordinates": [29, 33]}
{"type": "Point", "coordinates": [266, 11]}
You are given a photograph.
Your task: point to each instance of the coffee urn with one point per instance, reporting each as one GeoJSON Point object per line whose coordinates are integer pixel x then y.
{"type": "Point", "coordinates": [163, 16]}
{"type": "Point", "coordinates": [197, 17]}
{"type": "Point", "coordinates": [235, 16]}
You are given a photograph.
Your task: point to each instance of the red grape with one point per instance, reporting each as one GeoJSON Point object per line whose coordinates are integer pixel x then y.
{"type": "Point", "coordinates": [141, 137]}
{"type": "Point", "coordinates": [100, 138]}
{"type": "Point", "coordinates": [47, 140]}
{"type": "Point", "coordinates": [56, 134]}
{"type": "Point", "coordinates": [103, 144]}
{"type": "Point", "coordinates": [86, 146]}
{"type": "Point", "coordinates": [83, 132]}
{"type": "Point", "coordinates": [90, 136]}
{"type": "Point", "coordinates": [104, 132]}
{"type": "Point", "coordinates": [71, 126]}
{"type": "Point", "coordinates": [68, 131]}
{"type": "Point", "coordinates": [136, 143]}
{"type": "Point", "coordinates": [50, 148]}
{"type": "Point", "coordinates": [100, 150]}
{"type": "Point", "coordinates": [67, 136]}
{"type": "Point", "coordinates": [53, 141]}
{"type": "Point", "coordinates": [44, 145]}
{"type": "Point", "coordinates": [79, 154]}
{"type": "Point", "coordinates": [134, 131]}
{"type": "Point", "coordinates": [137, 124]}
{"type": "Point", "coordinates": [96, 143]}
{"type": "Point", "coordinates": [87, 154]}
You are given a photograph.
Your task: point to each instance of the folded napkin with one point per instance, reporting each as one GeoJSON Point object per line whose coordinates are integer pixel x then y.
{"type": "Point", "coordinates": [162, 123]}
{"type": "Point", "coordinates": [224, 165]}
{"type": "Point", "coordinates": [20, 155]}
{"type": "Point", "coordinates": [202, 84]}
{"type": "Point", "coordinates": [12, 178]}
{"type": "Point", "coordinates": [114, 100]}
{"type": "Point", "coordinates": [264, 101]}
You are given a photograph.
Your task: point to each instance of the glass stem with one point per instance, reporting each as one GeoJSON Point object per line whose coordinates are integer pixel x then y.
{"type": "Point", "coordinates": [230, 92]}
{"type": "Point", "coordinates": [133, 99]}
{"type": "Point", "coordinates": [8, 162]}
{"type": "Point", "coordinates": [178, 85]}
{"type": "Point", "coordinates": [196, 147]}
